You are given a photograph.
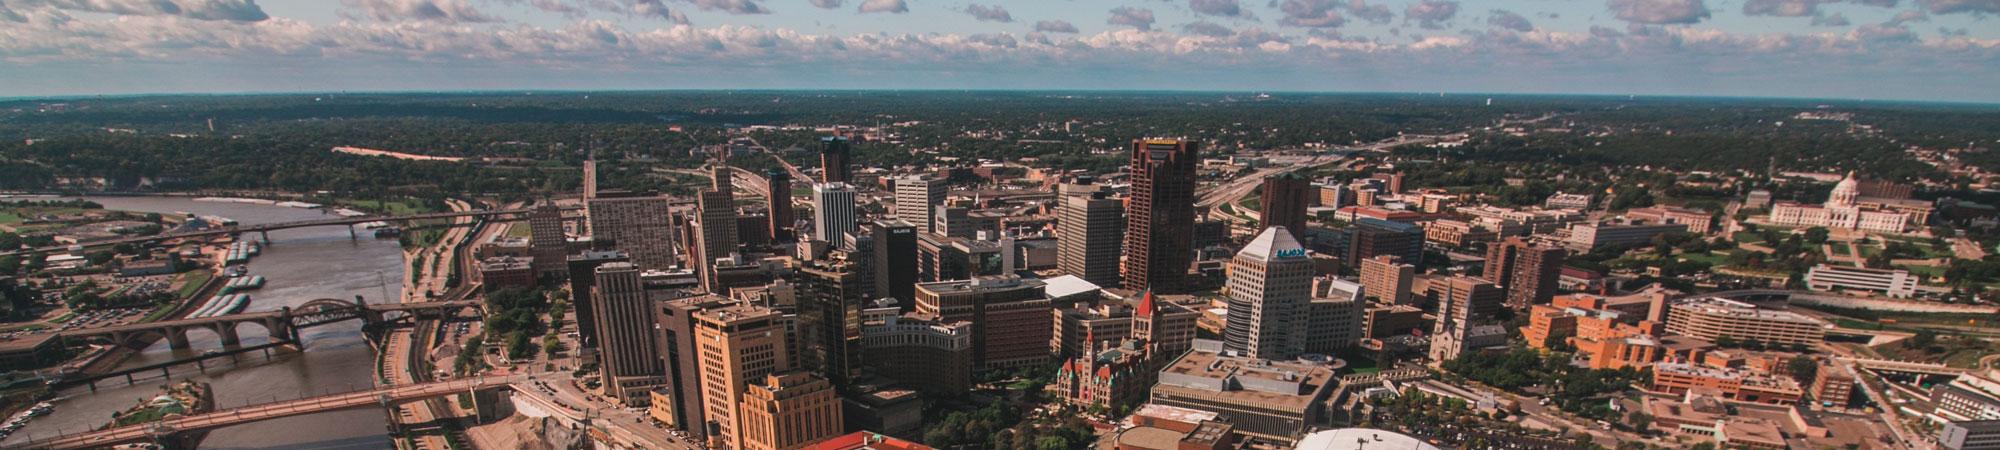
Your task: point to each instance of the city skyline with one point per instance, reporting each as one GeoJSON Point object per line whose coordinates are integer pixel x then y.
{"type": "Point", "coordinates": [1854, 49]}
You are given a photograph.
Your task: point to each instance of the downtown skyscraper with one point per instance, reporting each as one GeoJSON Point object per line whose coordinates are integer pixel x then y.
{"type": "Point", "coordinates": [1527, 271]}
{"type": "Point", "coordinates": [782, 216]}
{"type": "Point", "coordinates": [1284, 200]}
{"type": "Point", "coordinates": [1159, 219]}
{"type": "Point", "coordinates": [917, 198]}
{"type": "Point", "coordinates": [629, 361]}
{"type": "Point", "coordinates": [836, 160]}
{"type": "Point", "coordinates": [1089, 229]}
{"type": "Point", "coordinates": [716, 224]}
{"type": "Point", "coordinates": [833, 212]}
{"type": "Point", "coordinates": [1270, 286]}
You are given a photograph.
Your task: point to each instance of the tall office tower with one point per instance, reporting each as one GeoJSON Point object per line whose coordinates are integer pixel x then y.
{"type": "Point", "coordinates": [584, 267]}
{"type": "Point", "coordinates": [1159, 220]}
{"type": "Point", "coordinates": [895, 266]}
{"type": "Point", "coordinates": [1385, 279]}
{"type": "Point", "coordinates": [917, 198]}
{"type": "Point", "coordinates": [629, 362]}
{"type": "Point", "coordinates": [1270, 285]}
{"type": "Point", "coordinates": [546, 241]}
{"type": "Point", "coordinates": [640, 226]}
{"type": "Point", "coordinates": [789, 411]}
{"type": "Point", "coordinates": [858, 251]}
{"type": "Point", "coordinates": [1470, 299]}
{"type": "Point", "coordinates": [833, 212]}
{"type": "Point", "coordinates": [738, 344]}
{"type": "Point", "coordinates": [680, 350]}
{"type": "Point", "coordinates": [1089, 229]}
{"type": "Point", "coordinates": [829, 312]}
{"type": "Point", "coordinates": [1527, 271]}
{"type": "Point", "coordinates": [1463, 302]}
{"type": "Point", "coordinates": [1284, 202]}
{"type": "Point", "coordinates": [717, 226]}
{"type": "Point", "coordinates": [836, 160]}
{"type": "Point", "coordinates": [780, 203]}
{"type": "Point", "coordinates": [1369, 238]}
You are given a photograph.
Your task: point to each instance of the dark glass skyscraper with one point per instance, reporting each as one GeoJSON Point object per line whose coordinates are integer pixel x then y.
{"type": "Point", "coordinates": [1284, 202]}
{"type": "Point", "coordinates": [836, 160]}
{"type": "Point", "coordinates": [895, 265]}
{"type": "Point", "coordinates": [1159, 218]}
{"type": "Point", "coordinates": [783, 218]}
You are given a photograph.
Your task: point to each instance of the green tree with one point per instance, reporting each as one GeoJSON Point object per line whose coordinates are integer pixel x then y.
{"type": "Point", "coordinates": [1816, 235]}
{"type": "Point", "coordinates": [1803, 368]}
{"type": "Point", "coordinates": [1924, 339]}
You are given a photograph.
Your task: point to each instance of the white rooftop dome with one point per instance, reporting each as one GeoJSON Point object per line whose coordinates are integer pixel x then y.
{"type": "Point", "coordinates": [1360, 439]}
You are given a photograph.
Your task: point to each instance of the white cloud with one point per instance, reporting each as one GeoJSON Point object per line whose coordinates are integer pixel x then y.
{"type": "Point", "coordinates": [1431, 14]}
{"type": "Point", "coordinates": [1205, 28]}
{"type": "Point", "coordinates": [227, 10]}
{"type": "Point", "coordinates": [1501, 18]}
{"type": "Point", "coordinates": [1659, 11]}
{"type": "Point", "coordinates": [447, 11]}
{"type": "Point", "coordinates": [1055, 26]}
{"type": "Point", "coordinates": [46, 38]}
{"type": "Point", "coordinates": [994, 13]}
{"type": "Point", "coordinates": [1976, 7]}
{"type": "Point", "coordinates": [1140, 18]}
{"type": "Point", "coordinates": [1225, 8]}
{"type": "Point", "coordinates": [887, 6]}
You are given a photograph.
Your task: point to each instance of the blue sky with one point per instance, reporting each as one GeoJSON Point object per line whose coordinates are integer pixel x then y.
{"type": "Point", "coordinates": [1867, 49]}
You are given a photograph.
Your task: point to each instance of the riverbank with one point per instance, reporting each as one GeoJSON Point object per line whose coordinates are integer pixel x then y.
{"type": "Point", "coordinates": [301, 265]}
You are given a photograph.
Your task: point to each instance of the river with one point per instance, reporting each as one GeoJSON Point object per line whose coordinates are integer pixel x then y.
{"type": "Point", "coordinates": [299, 265]}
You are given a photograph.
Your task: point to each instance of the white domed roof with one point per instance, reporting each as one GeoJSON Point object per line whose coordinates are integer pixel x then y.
{"type": "Point", "coordinates": [1361, 438]}
{"type": "Point", "coordinates": [1848, 184]}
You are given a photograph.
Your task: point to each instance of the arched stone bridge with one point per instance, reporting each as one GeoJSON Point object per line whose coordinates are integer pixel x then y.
{"type": "Point", "coordinates": [282, 324]}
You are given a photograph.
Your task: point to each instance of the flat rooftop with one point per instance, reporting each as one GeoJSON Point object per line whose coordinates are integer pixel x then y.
{"type": "Point", "coordinates": [1289, 385]}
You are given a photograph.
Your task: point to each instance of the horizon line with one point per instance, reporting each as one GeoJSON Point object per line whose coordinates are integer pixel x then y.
{"type": "Point", "coordinates": [1439, 94]}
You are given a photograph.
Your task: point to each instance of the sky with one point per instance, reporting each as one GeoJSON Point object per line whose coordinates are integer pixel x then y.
{"type": "Point", "coordinates": [1946, 50]}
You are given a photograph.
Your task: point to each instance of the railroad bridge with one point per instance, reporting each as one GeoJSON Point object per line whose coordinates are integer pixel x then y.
{"type": "Point", "coordinates": [281, 325]}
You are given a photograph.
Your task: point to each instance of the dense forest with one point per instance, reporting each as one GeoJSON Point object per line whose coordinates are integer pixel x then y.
{"type": "Point", "coordinates": [534, 141]}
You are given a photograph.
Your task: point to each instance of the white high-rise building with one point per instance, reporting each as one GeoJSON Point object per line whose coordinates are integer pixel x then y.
{"type": "Point", "coordinates": [917, 198]}
{"type": "Point", "coordinates": [1270, 286]}
{"type": "Point", "coordinates": [833, 211]}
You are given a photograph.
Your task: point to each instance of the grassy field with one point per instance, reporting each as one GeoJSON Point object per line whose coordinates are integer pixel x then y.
{"type": "Point", "coordinates": [191, 282]}
{"type": "Point", "coordinates": [1928, 271]}
{"type": "Point", "coordinates": [1745, 237]}
{"type": "Point", "coordinates": [395, 207]}
{"type": "Point", "coordinates": [18, 214]}
{"type": "Point", "coordinates": [1712, 258]}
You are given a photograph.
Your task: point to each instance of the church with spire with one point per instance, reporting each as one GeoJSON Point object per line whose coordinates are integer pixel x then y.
{"type": "Point", "coordinates": [1847, 209]}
